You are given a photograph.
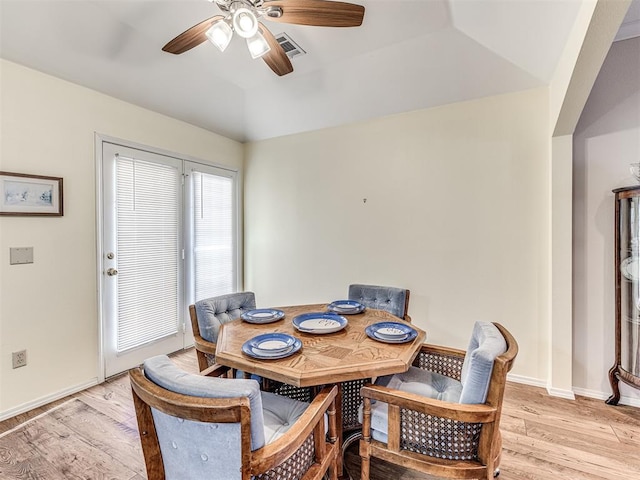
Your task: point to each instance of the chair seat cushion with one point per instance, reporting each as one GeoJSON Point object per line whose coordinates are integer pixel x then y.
{"type": "Point", "coordinates": [417, 381]}
{"type": "Point", "coordinates": [425, 383]}
{"type": "Point", "coordinates": [280, 413]}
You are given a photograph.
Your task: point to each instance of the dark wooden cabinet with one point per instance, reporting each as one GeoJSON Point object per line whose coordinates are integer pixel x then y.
{"type": "Point", "coordinates": [627, 277]}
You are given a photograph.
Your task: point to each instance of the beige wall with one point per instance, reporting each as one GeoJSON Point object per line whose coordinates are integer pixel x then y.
{"type": "Point", "coordinates": [606, 141]}
{"type": "Point", "coordinates": [457, 210]}
{"type": "Point", "coordinates": [50, 307]}
{"type": "Point", "coordinates": [458, 203]}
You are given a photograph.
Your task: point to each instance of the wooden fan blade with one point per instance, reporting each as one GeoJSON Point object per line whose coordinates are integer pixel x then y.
{"type": "Point", "coordinates": [191, 37]}
{"type": "Point", "coordinates": [320, 13]}
{"type": "Point", "coordinates": [276, 58]}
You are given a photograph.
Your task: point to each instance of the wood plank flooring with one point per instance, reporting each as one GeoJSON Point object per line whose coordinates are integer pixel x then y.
{"type": "Point", "coordinates": [543, 438]}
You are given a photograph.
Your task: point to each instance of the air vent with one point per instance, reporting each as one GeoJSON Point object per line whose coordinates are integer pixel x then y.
{"type": "Point", "coordinates": [291, 48]}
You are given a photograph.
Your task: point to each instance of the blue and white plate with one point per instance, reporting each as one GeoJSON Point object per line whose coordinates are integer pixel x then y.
{"type": "Point", "coordinates": [271, 346]}
{"type": "Point", "coordinates": [391, 332]}
{"type": "Point", "coordinates": [262, 315]}
{"type": "Point", "coordinates": [346, 307]}
{"type": "Point", "coordinates": [319, 322]}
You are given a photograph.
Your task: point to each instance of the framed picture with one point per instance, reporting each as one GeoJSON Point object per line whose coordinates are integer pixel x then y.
{"type": "Point", "coordinates": [23, 194]}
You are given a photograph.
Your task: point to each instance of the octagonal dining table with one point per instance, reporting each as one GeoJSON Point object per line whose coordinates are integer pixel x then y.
{"type": "Point", "coordinates": [324, 359]}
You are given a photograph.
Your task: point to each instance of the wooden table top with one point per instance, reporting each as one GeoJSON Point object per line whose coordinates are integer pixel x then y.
{"type": "Point", "coordinates": [323, 359]}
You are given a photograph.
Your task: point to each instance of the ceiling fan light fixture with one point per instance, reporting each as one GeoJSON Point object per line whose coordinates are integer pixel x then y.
{"type": "Point", "coordinates": [257, 45]}
{"type": "Point", "coordinates": [220, 34]}
{"type": "Point", "coordinates": [273, 12]}
{"type": "Point", "coordinates": [245, 22]}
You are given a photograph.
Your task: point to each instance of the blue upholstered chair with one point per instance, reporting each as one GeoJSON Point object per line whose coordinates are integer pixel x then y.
{"type": "Point", "coordinates": [209, 314]}
{"type": "Point", "coordinates": [442, 416]}
{"type": "Point", "coordinates": [391, 299]}
{"type": "Point", "coordinates": [194, 427]}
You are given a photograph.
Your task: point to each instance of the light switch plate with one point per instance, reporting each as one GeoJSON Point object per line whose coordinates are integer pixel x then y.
{"type": "Point", "coordinates": [20, 255]}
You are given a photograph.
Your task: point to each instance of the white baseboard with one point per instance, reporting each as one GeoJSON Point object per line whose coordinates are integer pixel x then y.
{"type": "Point", "coordinates": [534, 382]}
{"type": "Point", "coordinates": [570, 394]}
{"type": "Point", "coordinates": [561, 392]}
{"type": "Point", "coordinates": [25, 407]}
{"type": "Point", "coordinates": [624, 400]}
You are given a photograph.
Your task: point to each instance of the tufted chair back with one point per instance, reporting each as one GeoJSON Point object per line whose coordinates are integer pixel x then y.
{"type": "Point", "coordinates": [194, 427]}
{"type": "Point", "coordinates": [209, 314]}
{"type": "Point", "coordinates": [207, 450]}
{"type": "Point", "coordinates": [213, 312]}
{"type": "Point", "coordinates": [391, 299]}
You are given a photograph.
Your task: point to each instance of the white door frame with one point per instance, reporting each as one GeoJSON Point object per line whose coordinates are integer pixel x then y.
{"type": "Point", "coordinates": [99, 139]}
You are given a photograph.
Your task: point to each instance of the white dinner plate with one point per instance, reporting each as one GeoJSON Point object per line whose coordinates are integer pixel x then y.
{"type": "Point", "coordinates": [389, 332]}
{"type": "Point", "coordinates": [248, 347]}
{"type": "Point", "coordinates": [262, 315]}
{"type": "Point", "coordinates": [319, 322]}
{"type": "Point", "coordinates": [346, 307]}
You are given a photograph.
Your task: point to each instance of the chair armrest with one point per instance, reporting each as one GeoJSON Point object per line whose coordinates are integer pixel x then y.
{"type": "Point", "coordinates": [443, 360]}
{"type": "Point", "coordinates": [203, 345]}
{"type": "Point", "coordinates": [455, 411]}
{"type": "Point", "coordinates": [312, 419]}
{"type": "Point", "coordinates": [215, 370]}
{"type": "Point", "coordinates": [440, 350]}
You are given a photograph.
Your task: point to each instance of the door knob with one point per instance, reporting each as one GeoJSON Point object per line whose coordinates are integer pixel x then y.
{"type": "Point", "coordinates": [112, 272]}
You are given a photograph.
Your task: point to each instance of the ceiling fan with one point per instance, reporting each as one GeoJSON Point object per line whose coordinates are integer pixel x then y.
{"type": "Point", "coordinates": [242, 17]}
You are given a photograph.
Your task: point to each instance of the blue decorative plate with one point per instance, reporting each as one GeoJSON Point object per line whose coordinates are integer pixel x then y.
{"type": "Point", "coordinates": [271, 346]}
{"type": "Point", "coordinates": [319, 322]}
{"type": "Point", "coordinates": [391, 332]}
{"type": "Point", "coordinates": [346, 307]}
{"type": "Point", "coordinates": [262, 315]}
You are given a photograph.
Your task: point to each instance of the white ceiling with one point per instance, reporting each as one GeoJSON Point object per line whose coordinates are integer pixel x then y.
{"type": "Point", "coordinates": [407, 55]}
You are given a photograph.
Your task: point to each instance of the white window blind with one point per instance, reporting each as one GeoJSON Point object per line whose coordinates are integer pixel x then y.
{"type": "Point", "coordinates": [147, 202]}
{"type": "Point", "coordinates": [213, 247]}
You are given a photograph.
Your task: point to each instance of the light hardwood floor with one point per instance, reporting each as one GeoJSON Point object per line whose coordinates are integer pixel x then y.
{"type": "Point", "coordinates": [543, 438]}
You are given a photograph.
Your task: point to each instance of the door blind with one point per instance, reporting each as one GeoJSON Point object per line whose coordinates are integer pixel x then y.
{"type": "Point", "coordinates": [213, 247]}
{"type": "Point", "coordinates": [147, 203]}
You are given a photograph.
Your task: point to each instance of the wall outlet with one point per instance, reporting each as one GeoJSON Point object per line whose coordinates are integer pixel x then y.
{"type": "Point", "coordinates": [19, 359]}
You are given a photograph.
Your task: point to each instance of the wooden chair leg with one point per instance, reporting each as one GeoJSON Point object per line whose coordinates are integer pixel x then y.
{"type": "Point", "coordinates": [364, 472]}
{"type": "Point", "coordinates": [333, 471]}
{"type": "Point", "coordinates": [365, 457]}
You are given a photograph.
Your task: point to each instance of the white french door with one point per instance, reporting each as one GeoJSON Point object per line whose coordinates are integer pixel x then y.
{"type": "Point", "coordinates": [142, 256]}
{"type": "Point", "coordinates": [169, 238]}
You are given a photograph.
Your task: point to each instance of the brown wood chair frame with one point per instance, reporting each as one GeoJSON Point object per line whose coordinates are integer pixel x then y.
{"type": "Point", "coordinates": [446, 361]}
{"type": "Point", "coordinates": [203, 347]}
{"type": "Point", "coordinates": [406, 307]}
{"type": "Point", "coordinates": [148, 395]}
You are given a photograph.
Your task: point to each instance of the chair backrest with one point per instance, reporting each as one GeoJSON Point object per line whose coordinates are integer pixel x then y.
{"type": "Point", "coordinates": [213, 312]}
{"type": "Point", "coordinates": [391, 299]}
{"type": "Point", "coordinates": [197, 426]}
{"type": "Point", "coordinates": [486, 344]}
